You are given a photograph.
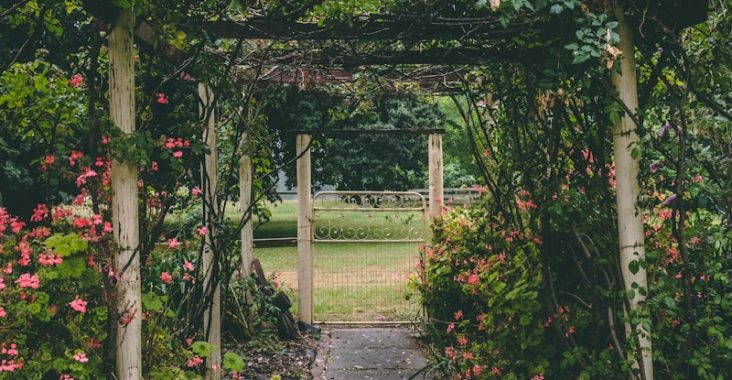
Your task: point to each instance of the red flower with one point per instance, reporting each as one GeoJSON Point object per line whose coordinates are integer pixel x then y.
{"type": "Point", "coordinates": [458, 315]}
{"type": "Point", "coordinates": [39, 213]}
{"type": "Point", "coordinates": [76, 80]}
{"type": "Point", "coordinates": [78, 304]}
{"type": "Point", "coordinates": [161, 98]}
{"type": "Point", "coordinates": [166, 278]}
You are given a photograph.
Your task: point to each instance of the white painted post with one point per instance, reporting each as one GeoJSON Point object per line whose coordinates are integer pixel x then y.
{"type": "Point", "coordinates": [212, 317]}
{"type": "Point", "coordinates": [436, 186]}
{"type": "Point", "coordinates": [630, 224]}
{"type": "Point", "coordinates": [304, 230]}
{"type": "Point", "coordinates": [128, 343]}
{"type": "Point", "coordinates": [245, 202]}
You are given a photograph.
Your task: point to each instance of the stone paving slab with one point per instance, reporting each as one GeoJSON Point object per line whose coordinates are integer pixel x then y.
{"type": "Point", "coordinates": [373, 374]}
{"type": "Point", "coordinates": [373, 338]}
{"type": "Point", "coordinates": [377, 358]}
{"type": "Point", "coordinates": [373, 354]}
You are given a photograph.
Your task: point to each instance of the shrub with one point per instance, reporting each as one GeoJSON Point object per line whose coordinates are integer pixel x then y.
{"type": "Point", "coordinates": [480, 287]}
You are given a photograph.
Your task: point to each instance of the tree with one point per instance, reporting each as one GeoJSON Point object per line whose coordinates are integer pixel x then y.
{"type": "Point", "coordinates": [361, 161]}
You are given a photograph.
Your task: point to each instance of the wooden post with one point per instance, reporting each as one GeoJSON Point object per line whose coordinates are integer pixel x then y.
{"type": "Point", "coordinates": [436, 186]}
{"type": "Point", "coordinates": [630, 224]}
{"type": "Point", "coordinates": [245, 202]}
{"type": "Point", "coordinates": [125, 210]}
{"type": "Point", "coordinates": [304, 230]}
{"type": "Point", "coordinates": [212, 317]}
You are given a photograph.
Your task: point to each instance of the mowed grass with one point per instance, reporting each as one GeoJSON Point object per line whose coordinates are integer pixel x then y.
{"type": "Point", "coordinates": [361, 281]}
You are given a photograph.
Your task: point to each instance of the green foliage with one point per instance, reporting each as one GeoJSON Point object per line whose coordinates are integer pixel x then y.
{"type": "Point", "coordinates": [481, 287]}
{"type": "Point", "coordinates": [358, 162]}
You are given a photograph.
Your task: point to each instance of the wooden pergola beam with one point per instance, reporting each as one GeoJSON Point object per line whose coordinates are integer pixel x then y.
{"type": "Point", "coordinates": [366, 28]}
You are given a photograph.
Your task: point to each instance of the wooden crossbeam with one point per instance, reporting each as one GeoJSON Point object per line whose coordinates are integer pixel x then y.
{"type": "Point", "coordinates": [370, 28]}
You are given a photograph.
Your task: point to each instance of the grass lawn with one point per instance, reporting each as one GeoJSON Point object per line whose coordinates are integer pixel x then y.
{"type": "Point", "coordinates": [353, 281]}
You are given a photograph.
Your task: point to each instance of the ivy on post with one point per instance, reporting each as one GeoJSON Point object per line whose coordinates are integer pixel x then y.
{"type": "Point", "coordinates": [630, 223]}
{"type": "Point", "coordinates": [211, 316]}
{"type": "Point", "coordinates": [124, 202]}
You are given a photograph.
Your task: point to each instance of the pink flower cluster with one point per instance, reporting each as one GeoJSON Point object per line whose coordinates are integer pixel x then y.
{"type": "Point", "coordinates": [176, 145]}
{"type": "Point", "coordinates": [27, 281]}
{"type": "Point", "coordinates": [78, 304]}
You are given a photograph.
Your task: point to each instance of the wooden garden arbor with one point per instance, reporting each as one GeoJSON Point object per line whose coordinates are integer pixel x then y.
{"type": "Point", "coordinates": [384, 28]}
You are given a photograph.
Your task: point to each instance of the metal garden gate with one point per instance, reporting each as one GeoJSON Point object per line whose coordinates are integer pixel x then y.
{"type": "Point", "coordinates": [365, 248]}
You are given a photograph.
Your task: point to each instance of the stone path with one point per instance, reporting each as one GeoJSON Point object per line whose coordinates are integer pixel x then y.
{"type": "Point", "coordinates": [372, 354]}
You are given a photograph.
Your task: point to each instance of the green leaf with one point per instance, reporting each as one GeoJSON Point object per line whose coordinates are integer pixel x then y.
{"type": "Point", "coordinates": [202, 349]}
{"type": "Point", "coordinates": [152, 302]}
{"type": "Point", "coordinates": [556, 9]}
{"type": "Point", "coordinates": [66, 244]}
{"type": "Point", "coordinates": [233, 362]}
{"type": "Point", "coordinates": [634, 266]}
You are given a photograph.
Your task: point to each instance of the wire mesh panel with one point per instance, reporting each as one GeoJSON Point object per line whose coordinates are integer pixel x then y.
{"type": "Point", "coordinates": [366, 248]}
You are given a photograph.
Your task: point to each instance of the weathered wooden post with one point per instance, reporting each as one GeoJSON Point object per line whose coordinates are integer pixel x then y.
{"type": "Point", "coordinates": [212, 316]}
{"type": "Point", "coordinates": [245, 203]}
{"type": "Point", "coordinates": [630, 224]}
{"type": "Point", "coordinates": [304, 230]}
{"type": "Point", "coordinates": [436, 186]}
{"type": "Point", "coordinates": [128, 361]}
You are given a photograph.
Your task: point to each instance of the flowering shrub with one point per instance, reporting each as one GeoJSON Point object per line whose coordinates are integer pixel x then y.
{"type": "Point", "coordinates": [480, 286]}
{"type": "Point", "coordinates": [53, 311]}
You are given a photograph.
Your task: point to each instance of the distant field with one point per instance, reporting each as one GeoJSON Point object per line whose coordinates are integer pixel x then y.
{"type": "Point", "coordinates": [353, 281]}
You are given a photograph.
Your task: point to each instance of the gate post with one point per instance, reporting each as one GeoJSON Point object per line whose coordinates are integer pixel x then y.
{"type": "Point", "coordinates": [304, 230]}
{"type": "Point", "coordinates": [245, 204]}
{"type": "Point", "coordinates": [436, 186]}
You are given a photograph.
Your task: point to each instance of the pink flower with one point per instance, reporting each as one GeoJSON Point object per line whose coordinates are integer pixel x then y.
{"type": "Point", "coordinates": [458, 315]}
{"type": "Point", "coordinates": [27, 281]}
{"type": "Point", "coordinates": [477, 370]}
{"type": "Point", "coordinates": [173, 243]}
{"type": "Point", "coordinates": [49, 259]}
{"type": "Point", "coordinates": [450, 327]}
{"type": "Point", "coordinates": [76, 80]}
{"type": "Point", "coordinates": [3, 313]}
{"type": "Point", "coordinates": [66, 377]}
{"type": "Point", "coordinates": [81, 357]}
{"type": "Point", "coordinates": [538, 377]}
{"type": "Point", "coordinates": [178, 154]}
{"type": "Point", "coordinates": [187, 265]}
{"type": "Point", "coordinates": [78, 304]}
{"type": "Point", "coordinates": [196, 191]}
{"type": "Point", "coordinates": [203, 230]}
{"type": "Point", "coordinates": [170, 143]}
{"type": "Point", "coordinates": [473, 279]}
{"type": "Point", "coordinates": [166, 278]}
{"type": "Point", "coordinates": [195, 361]}
{"type": "Point", "coordinates": [462, 340]}
{"type": "Point", "coordinates": [154, 166]}
{"type": "Point", "coordinates": [161, 98]}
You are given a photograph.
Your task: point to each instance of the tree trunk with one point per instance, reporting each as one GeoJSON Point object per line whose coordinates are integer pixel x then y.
{"type": "Point", "coordinates": [212, 316]}
{"type": "Point", "coordinates": [124, 202]}
{"type": "Point", "coordinates": [630, 224]}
